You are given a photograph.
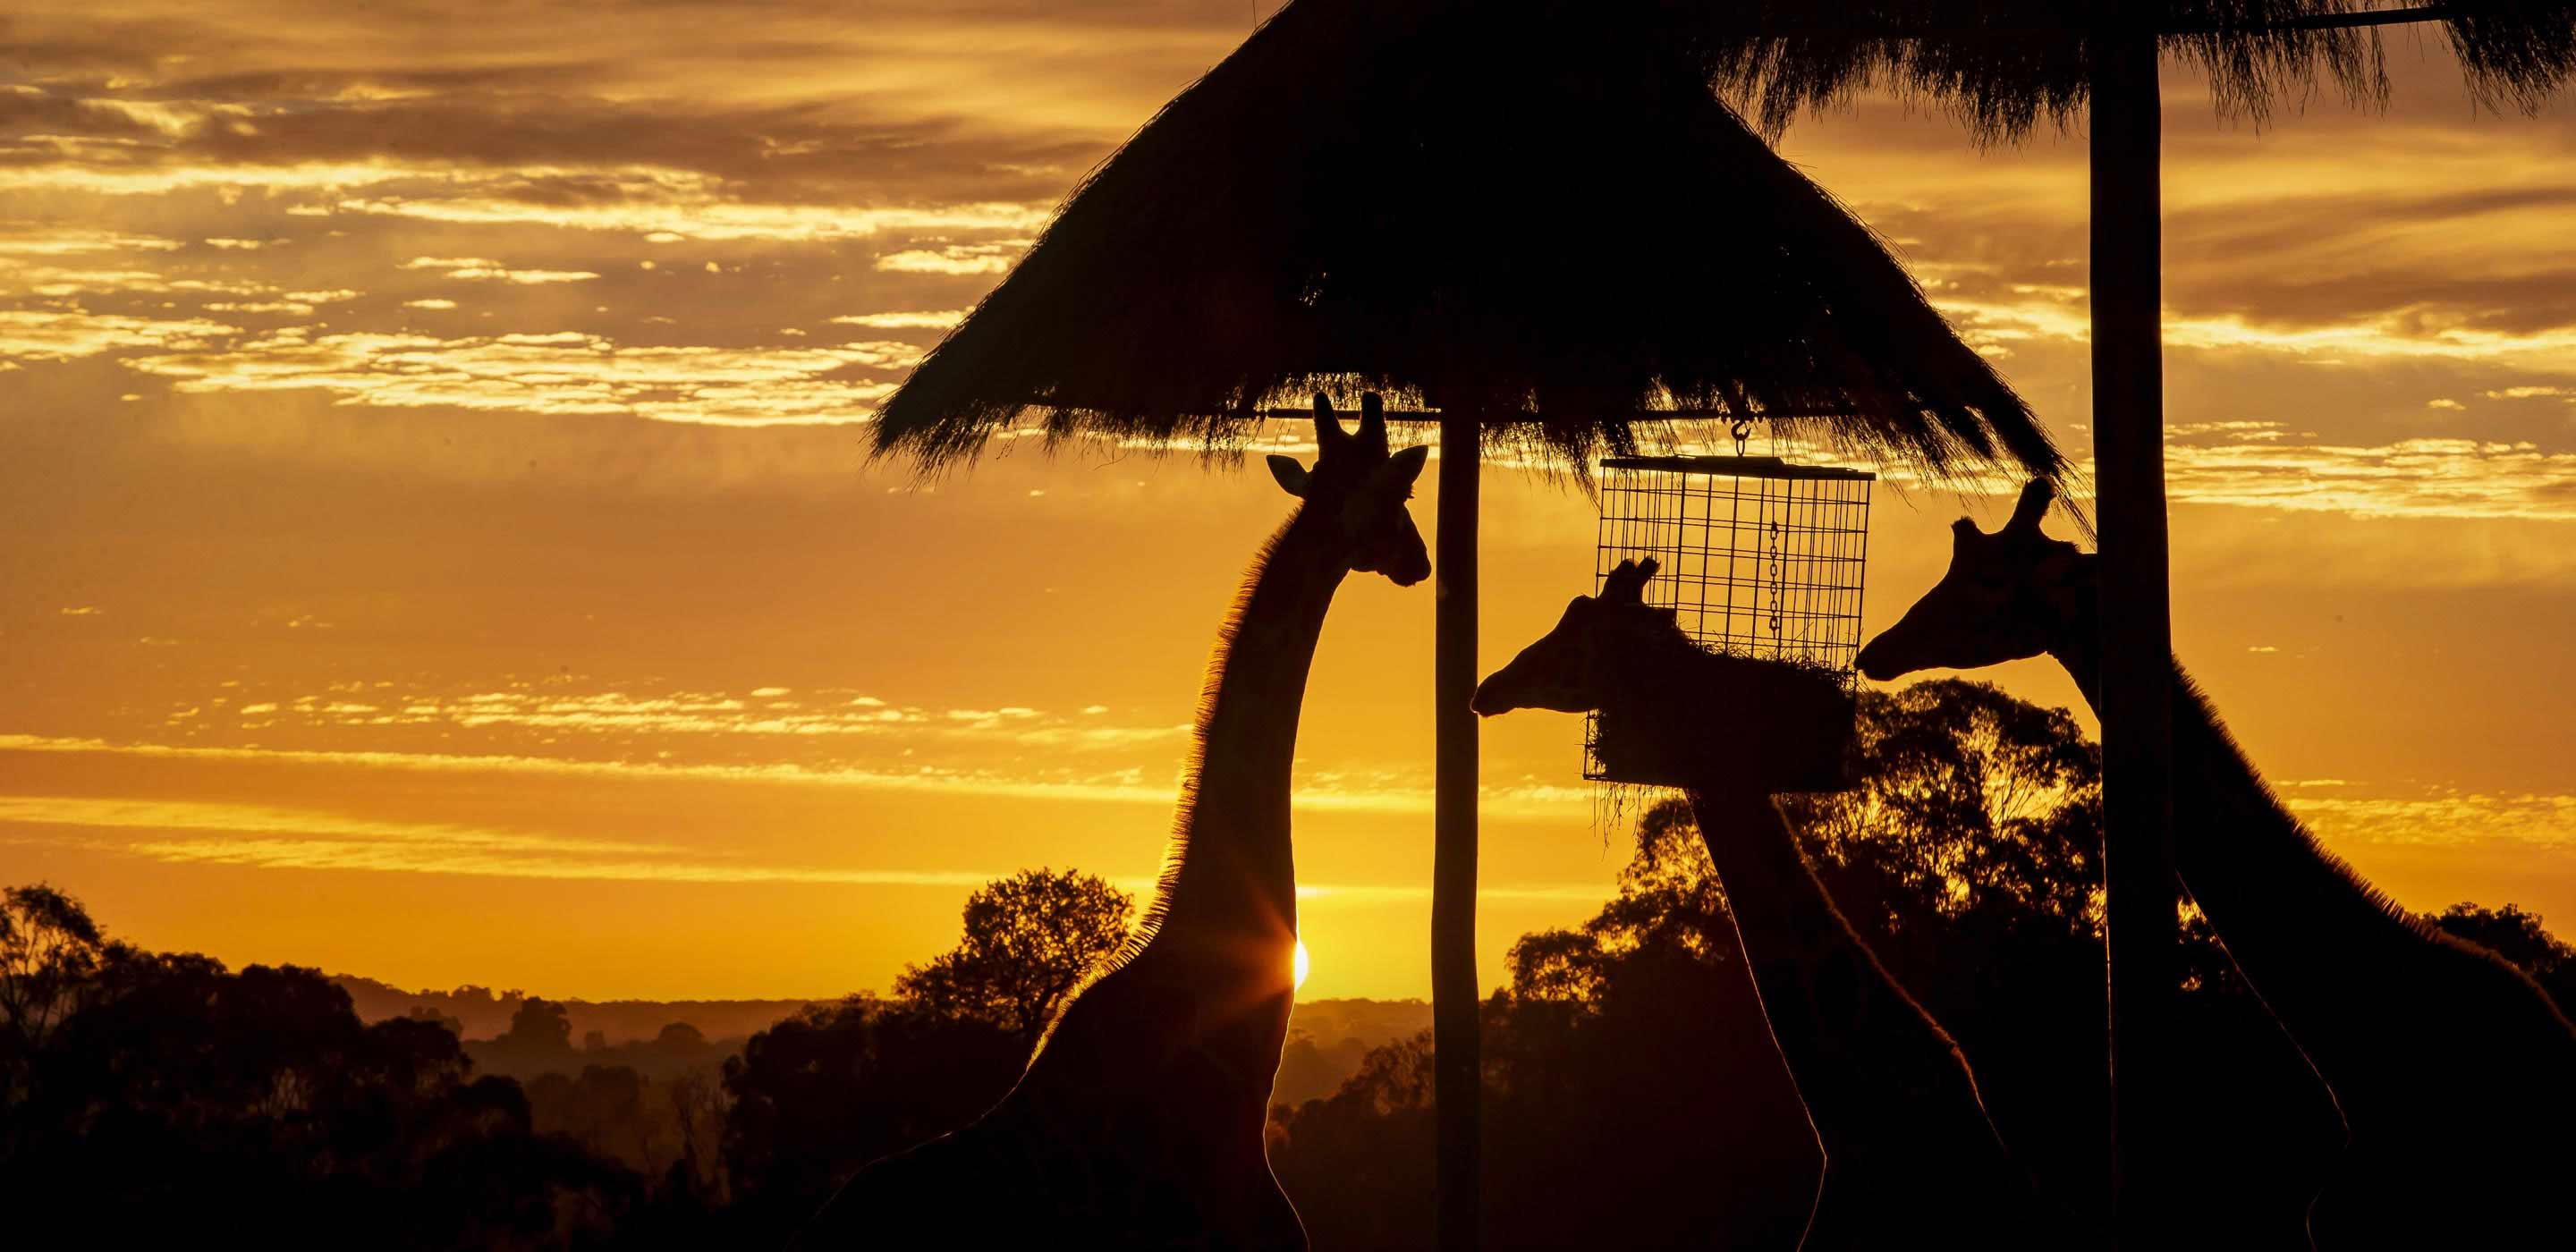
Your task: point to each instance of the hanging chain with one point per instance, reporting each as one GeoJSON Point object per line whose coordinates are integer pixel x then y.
{"type": "Point", "coordinates": [1743, 432]}
{"type": "Point", "coordinates": [1778, 567]}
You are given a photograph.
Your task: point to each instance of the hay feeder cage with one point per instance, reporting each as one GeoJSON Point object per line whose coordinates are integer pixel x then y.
{"type": "Point", "coordinates": [1759, 558]}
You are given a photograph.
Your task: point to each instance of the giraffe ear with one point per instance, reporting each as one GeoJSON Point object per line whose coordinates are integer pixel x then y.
{"type": "Point", "coordinates": [1628, 582]}
{"type": "Point", "coordinates": [1400, 470]}
{"type": "Point", "coordinates": [1291, 475]}
{"type": "Point", "coordinates": [2036, 495]}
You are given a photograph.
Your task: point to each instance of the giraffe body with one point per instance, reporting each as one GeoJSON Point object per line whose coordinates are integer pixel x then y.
{"type": "Point", "coordinates": [1891, 1098]}
{"type": "Point", "coordinates": [1138, 1122]}
{"type": "Point", "coordinates": [2453, 1071]}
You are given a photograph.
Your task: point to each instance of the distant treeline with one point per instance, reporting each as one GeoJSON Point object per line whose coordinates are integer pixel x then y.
{"type": "Point", "coordinates": [482, 1013]}
{"type": "Point", "coordinates": [1327, 1039]}
{"type": "Point", "coordinates": [1633, 1096]}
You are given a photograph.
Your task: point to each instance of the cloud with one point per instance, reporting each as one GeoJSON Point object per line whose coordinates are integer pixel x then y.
{"type": "Point", "coordinates": [563, 373]}
{"type": "Point", "coordinates": [2394, 337]}
{"type": "Point", "coordinates": [695, 722]}
{"type": "Point", "coordinates": [2444, 818]}
{"type": "Point", "coordinates": [955, 259]}
{"type": "Point", "coordinates": [269, 837]}
{"type": "Point", "coordinates": [203, 832]}
{"type": "Point", "coordinates": [2468, 478]}
{"type": "Point", "coordinates": [31, 278]}
{"type": "Point", "coordinates": [49, 239]}
{"type": "Point", "coordinates": [167, 815]}
{"type": "Point", "coordinates": [1412, 797]}
{"type": "Point", "coordinates": [473, 268]}
{"type": "Point", "coordinates": [911, 107]}
{"type": "Point", "coordinates": [404, 856]}
{"type": "Point", "coordinates": [940, 320]}
{"type": "Point", "coordinates": [696, 214]}
{"type": "Point", "coordinates": [48, 335]}
{"type": "Point", "coordinates": [298, 308]}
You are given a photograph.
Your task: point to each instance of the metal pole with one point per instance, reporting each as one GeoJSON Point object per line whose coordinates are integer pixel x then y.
{"type": "Point", "coordinates": [1457, 1052]}
{"type": "Point", "coordinates": [2137, 646]}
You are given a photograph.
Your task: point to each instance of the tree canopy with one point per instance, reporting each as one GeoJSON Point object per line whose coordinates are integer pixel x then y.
{"type": "Point", "coordinates": [1030, 940]}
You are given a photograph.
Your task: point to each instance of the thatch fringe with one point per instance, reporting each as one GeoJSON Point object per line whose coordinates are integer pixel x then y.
{"type": "Point", "coordinates": [2002, 66]}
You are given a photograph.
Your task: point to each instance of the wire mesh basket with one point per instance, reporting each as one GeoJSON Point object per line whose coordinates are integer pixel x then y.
{"type": "Point", "coordinates": [1758, 558]}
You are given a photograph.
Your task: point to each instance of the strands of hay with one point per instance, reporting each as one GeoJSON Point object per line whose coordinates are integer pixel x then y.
{"type": "Point", "coordinates": [1793, 730]}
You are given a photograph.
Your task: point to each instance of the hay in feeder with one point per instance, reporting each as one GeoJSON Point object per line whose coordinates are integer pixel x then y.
{"type": "Point", "coordinates": [1739, 723]}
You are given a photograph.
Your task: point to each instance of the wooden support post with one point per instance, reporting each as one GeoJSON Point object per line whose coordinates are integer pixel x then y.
{"type": "Point", "coordinates": [2137, 642]}
{"type": "Point", "coordinates": [1457, 1065]}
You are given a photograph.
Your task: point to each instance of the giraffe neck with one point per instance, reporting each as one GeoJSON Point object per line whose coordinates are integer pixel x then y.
{"type": "Point", "coordinates": [2377, 998]}
{"type": "Point", "coordinates": [1891, 1097]}
{"type": "Point", "coordinates": [1230, 875]}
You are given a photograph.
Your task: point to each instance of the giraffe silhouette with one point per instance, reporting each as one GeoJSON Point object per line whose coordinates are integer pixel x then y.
{"type": "Point", "coordinates": [2454, 1072]}
{"type": "Point", "coordinates": [1892, 1101]}
{"type": "Point", "coordinates": [1138, 1122]}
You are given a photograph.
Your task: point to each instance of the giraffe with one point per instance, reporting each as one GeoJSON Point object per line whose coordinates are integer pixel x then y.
{"type": "Point", "coordinates": [2454, 1073]}
{"type": "Point", "coordinates": [1892, 1101]}
{"type": "Point", "coordinates": [1138, 1121]}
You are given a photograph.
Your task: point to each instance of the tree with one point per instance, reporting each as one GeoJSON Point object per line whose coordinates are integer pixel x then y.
{"type": "Point", "coordinates": [2517, 937]}
{"type": "Point", "coordinates": [698, 1107]}
{"type": "Point", "coordinates": [832, 1087]}
{"type": "Point", "coordinates": [50, 955]}
{"type": "Point", "coordinates": [1971, 800]}
{"type": "Point", "coordinates": [540, 1025]}
{"type": "Point", "coordinates": [1030, 940]}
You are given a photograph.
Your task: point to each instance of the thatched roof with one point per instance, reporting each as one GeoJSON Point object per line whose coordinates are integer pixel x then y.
{"type": "Point", "coordinates": [1532, 210]}
{"type": "Point", "coordinates": [2002, 65]}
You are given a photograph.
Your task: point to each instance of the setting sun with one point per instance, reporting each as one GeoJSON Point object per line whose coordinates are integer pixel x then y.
{"type": "Point", "coordinates": [1301, 963]}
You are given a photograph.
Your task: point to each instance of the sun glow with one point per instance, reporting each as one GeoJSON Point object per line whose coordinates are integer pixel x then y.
{"type": "Point", "coordinates": [1301, 963]}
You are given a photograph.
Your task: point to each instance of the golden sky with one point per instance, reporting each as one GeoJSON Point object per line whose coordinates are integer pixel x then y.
{"type": "Point", "coordinates": [439, 543]}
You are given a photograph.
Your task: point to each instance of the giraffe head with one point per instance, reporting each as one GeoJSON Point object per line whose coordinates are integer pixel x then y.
{"type": "Point", "coordinates": [1576, 667]}
{"type": "Point", "coordinates": [1788, 727]}
{"type": "Point", "coordinates": [2010, 595]}
{"type": "Point", "coordinates": [1357, 489]}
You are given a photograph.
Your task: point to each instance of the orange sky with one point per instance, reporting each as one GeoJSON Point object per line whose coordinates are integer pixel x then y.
{"type": "Point", "coordinates": [439, 544]}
